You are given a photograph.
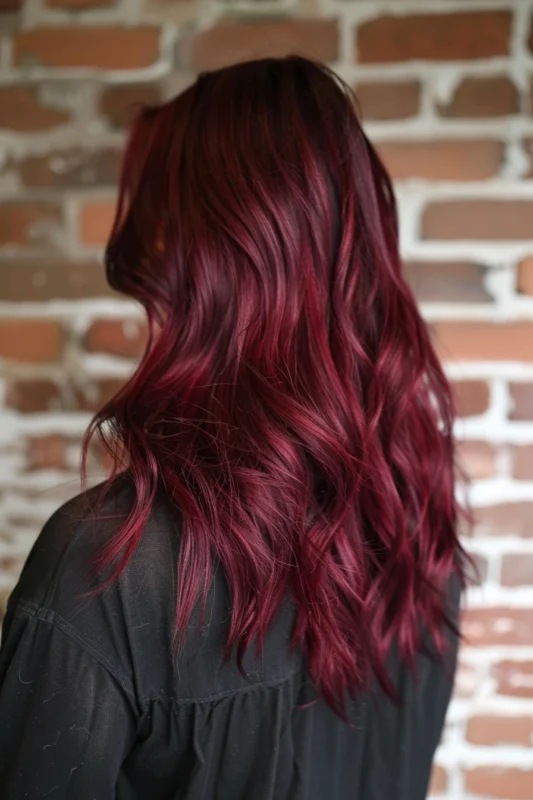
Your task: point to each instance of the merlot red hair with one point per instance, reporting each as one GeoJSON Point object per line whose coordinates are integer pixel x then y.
{"type": "Point", "coordinates": [290, 400]}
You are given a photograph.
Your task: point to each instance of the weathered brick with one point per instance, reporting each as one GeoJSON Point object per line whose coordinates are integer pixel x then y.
{"type": "Point", "coordinates": [498, 625]}
{"type": "Point", "coordinates": [504, 519]}
{"type": "Point", "coordinates": [481, 568]}
{"type": "Point", "coordinates": [477, 458]}
{"type": "Point", "coordinates": [231, 42]}
{"type": "Point", "coordinates": [461, 36]}
{"type": "Point", "coordinates": [385, 101]}
{"type": "Point", "coordinates": [87, 46]}
{"type": "Point", "coordinates": [484, 341]}
{"type": "Point", "coordinates": [493, 730]}
{"type": "Point", "coordinates": [521, 401]}
{"type": "Point", "coordinates": [30, 396]}
{"type": "Point", "coordinates": [79, 5]}
{"type": "Point", "coordinates": [117, 337]}
{"type": "Point", "coordinates": [439, 780]}
{"type": "Point", "coordinates": [96, 220]}
{"type": "Point", "coordinates": [489, 220]}
{"type": "Point", "coordinates": [528, 147]}
{"type": "Point", "coordinates": [4, 596]}
{"type": "Point", "coordinates": [524, 282]}
{"type": "Point", "coordinates": [71, 168]}
{"type": "Point", "coordinates": [28, 223]}
{"type": "Point", "coordinates": [12, 564]}
{"type": "Point", "coordinates": [39, 279]}
{"type": "Point", "coordinates": [514, 677]}
{"type": "Point", "coordinates": [445, 282]}
{"type": "Point", "coordinates": [10, 6]}
{"type": "Point", "coordinates": [471, 397]}
{"type": "Point", "coordinates": [35, 395]}
{"type": "Point", "coordinates": [517, 569]}
{"type": "Point", "coordinates": [507, 783]}
{"type": "Point", "coordinates": [22, 110]}
{"type": "Point", "coordinates": [523, 465]}
{"type": "Point", "coordinates": [442, 160]}
{"type": "Point", "coordinates": [479, 98]}
{"type": "Point", "coordinates": [119, 104]}
{"type": "Point", "coordinates": [46, 452]}
{"type": "Point", "coordinates": [93, 394]}
{"type": "Point", "coordinates": [530, 41]}
{"type": "Point", "coordinates": [30, 339]}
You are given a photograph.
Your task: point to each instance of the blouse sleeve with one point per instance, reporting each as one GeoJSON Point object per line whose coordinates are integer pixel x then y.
{"type": "Point", "coordinates": [66, 723]}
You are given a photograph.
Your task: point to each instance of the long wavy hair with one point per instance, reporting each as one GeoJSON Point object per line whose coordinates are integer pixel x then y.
{"type": "Point", "coordinates": [289, 400]}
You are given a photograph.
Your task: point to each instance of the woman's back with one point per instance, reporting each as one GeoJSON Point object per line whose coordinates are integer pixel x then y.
{"type": "Point", "coordinates": [92, 678]}
{"type": "Point", "coordinates": [284, 452]}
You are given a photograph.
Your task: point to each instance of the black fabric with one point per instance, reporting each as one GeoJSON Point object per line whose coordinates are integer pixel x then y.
{"type": "Point", "coordinates": [91, 708]}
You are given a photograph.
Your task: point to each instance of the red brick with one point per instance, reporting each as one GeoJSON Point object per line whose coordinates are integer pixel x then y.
{"type": "Point", "coordinates": [484, 341]}
{"type": "Point", "coordinates": [119, 104]}
{"type": "Point", "coordinates": [471, 397]}
{"type": "Point", "coordinates": [525, 276]}
{"type": "Point", "coordinates": [93, 395]}
{"type": "Point", "coordinates": [434, 37]}
{"type": "Point", "coordinates": [30, 340]}
{"type": "Point", "coordinates": [514, 678]}
{"type": "Point", "coordinates": [528, 147]}
{"type": "Point", "coordinates": [4, 597]}
{"type": "Point", "coordinates": [480, 98]}
{"type": "Point", "coordinates": [494, 730]}
{"type": "Point", "coordinates": [40, 279]}
{"type": "Point", "coordinates": [504, 519]}
{"type": "Point", "coordinates": [231, 42]}
{"type": "Point", "coordinates": [482, 567]}
{"type": "Point", "coordinates": [521, 401]}
{"type": "Point", "coordinates": [30, 396]}
{"type": "Point", "coordinates": [530, 41]}
{"type": "Point", "coordinates": [46, 452]}
{"type": "Point", "coordinates": [444, 282]}
{"type": "Point", "coordinates": [485, 627]}
{"type": "Point", "coordinates": [79, 5]}
{"type": "Point", "coordinates": [117, 337]}
{"type": "Point", "coordinates": [477, 458]}
{"type": "Point", "coordinates": [27, 223]}
{"type": "Point", "coordinates": [393, 100]}
{"type": "Point", "coordinates": [12, 564]}
{"type": "Point", "coordinates": [439, 780]}
{"type": "Point", "coordinates": [71, 168]}
{"type": "Point", "coordinates": [96, 219]}
{"type": "Point", "coordinates": [440, 160]}
{"type": "Point", "coordinates": [489, 220]}
{"type": "Point", "coordinates": [8, 6]}
{"type": "Point", "coordinates": [22, 110]}
{"type": "Point", "coordinates": [87, 46]}
{"type": "Point", "coordinates": [523, 462]}
{"type": "Point", "coordinates": [517, 569]}
{"type": "Point", "coordinates": [507, 783]}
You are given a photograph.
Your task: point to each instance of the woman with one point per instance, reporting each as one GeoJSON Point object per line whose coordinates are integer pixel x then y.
{"type": "Point", "coordinates": [261, 601]}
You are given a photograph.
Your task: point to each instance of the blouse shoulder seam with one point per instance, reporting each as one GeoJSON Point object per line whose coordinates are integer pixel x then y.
{"type": "Point", "coordinates": [26, 608]}
{"type": "Point", "coordinates": [212, 698]}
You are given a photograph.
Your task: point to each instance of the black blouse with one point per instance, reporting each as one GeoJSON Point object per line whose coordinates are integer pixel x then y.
{"type": "Point", "coordinates": [91, 708]}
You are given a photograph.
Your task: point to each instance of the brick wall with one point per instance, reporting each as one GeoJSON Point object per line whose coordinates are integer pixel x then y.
{"type": "Point", "coordinates": [446, 90]}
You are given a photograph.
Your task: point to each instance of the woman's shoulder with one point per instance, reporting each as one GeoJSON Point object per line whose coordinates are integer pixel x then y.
{"type": "Point", "coordinates": [130, 624]}
{"type": "Point", "coordinates": [60, 557]}
{"type": "Point", "coordinates": [58, 575]}
{"type": "Point", "coordinates": [56, 586]}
